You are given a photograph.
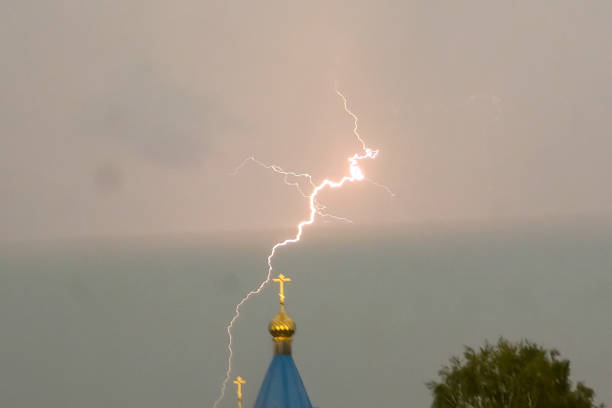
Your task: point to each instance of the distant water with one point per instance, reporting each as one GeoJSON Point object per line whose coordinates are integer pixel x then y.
{"type": "Point", "coordinates": [141, 322]}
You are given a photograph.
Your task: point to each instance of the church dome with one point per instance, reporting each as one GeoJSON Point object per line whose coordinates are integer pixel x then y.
{"type": "Point", "coordinates": [282, 385]}
{"type": "Point", "coordinates": [282, 326]}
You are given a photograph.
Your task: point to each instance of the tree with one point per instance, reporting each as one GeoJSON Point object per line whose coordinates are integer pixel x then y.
{"type": "Point", "coordinates": [509, 375]}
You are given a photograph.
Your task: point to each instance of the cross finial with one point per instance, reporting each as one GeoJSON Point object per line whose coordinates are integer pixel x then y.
{"type": "Point", "coordinates": [281, 280]}
{"type": "Point", "coordinates": [239, 382]}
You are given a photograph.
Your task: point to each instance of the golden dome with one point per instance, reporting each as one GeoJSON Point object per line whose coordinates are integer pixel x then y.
{"type": "Point", "coordinates": [282, 326]}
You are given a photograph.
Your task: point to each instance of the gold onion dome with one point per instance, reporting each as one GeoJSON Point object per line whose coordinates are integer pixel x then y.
{"type": "Point", "coordinates": [282, 326]}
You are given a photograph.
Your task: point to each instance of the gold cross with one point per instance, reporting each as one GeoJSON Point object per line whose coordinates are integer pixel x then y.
{"type": "Point", "coordinates": [282, 279]}
{"type": "Point", "coordinates": [239, 381]}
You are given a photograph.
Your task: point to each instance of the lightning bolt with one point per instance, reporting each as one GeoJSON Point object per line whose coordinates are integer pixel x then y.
{"type": "Point", "coordinates": [316, 208]}
{"type": "Point", "coordinates": [287, 177]}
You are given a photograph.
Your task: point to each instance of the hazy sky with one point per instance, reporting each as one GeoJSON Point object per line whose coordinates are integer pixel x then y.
{"type": "Point", "coordinates": [141, 323]}
{"type": "Point", "coordinates": [125, 117]}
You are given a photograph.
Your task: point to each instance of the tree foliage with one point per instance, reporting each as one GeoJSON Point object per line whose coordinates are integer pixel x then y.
{"type": "Point", "coordinates": [509, 375]}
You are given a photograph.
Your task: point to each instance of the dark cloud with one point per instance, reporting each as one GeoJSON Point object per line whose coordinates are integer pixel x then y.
{"type": "Point", "coordinates": [108, 179]}
{"type": "Point", "coordinates": [157, 119]}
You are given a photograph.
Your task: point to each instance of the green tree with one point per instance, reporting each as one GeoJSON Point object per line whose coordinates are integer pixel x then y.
{"type": "Point", "coordinates": [509, 375]}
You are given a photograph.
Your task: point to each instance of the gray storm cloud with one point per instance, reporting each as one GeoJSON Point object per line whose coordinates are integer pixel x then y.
{"type": "Point", "coordinates": [480, 110]}
{"type": "Point", "coordinates": [155, 119]}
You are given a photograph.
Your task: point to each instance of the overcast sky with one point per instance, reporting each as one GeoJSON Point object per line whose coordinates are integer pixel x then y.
{"type": "Point", "coordinates": [125, 117]}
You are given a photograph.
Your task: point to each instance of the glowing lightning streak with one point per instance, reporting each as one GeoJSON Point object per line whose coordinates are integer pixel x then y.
{"type": "Point", "coordinates": [278, 169]}
{"type": "Point", "coordinates": [356, 174]}
{"type": "Point", "coordinates": [286, 174]}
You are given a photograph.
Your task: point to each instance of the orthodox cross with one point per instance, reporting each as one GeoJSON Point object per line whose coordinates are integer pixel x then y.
{"type": "Point", "coordinates": [281, 280]}
{"type": "Point", "coordinates": [239, 382]}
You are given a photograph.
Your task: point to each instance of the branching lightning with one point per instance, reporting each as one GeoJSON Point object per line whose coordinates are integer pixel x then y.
{"type": "Point", "coordinates": [315, 208]}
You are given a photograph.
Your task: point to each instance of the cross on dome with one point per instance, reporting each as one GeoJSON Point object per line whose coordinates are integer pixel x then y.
{"type": "Point", "coordinates": [281, 280]}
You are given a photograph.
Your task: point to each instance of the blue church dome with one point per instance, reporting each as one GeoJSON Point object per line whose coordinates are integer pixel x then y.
{"type": "Point", "coordinates": [282, 386]}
